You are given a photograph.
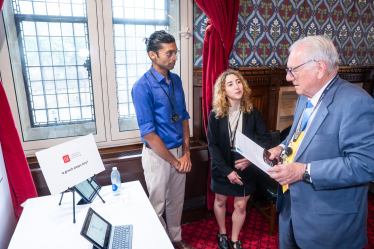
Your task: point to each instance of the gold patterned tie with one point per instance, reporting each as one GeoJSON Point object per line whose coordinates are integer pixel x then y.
{"type": "Point", "coordinates": [295, 145]}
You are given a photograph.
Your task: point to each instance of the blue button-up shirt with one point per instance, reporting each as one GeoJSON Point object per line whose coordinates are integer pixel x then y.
{"type": "Point", "coordinates": [153, 108]}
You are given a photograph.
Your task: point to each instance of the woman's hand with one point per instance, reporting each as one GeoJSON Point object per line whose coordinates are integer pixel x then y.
{"type": "Point", "coordinates": [242, 164]}
{"type": "Point", "coordinates": [234, 178]}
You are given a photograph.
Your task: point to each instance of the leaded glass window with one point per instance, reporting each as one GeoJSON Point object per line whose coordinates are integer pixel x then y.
{"type": "Point", "coordinates": [54, 51]}
{"type": "Point", "coordinates": [133, 20]}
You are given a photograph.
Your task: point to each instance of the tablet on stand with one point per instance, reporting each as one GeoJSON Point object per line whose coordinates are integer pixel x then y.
{"type": "Point", "coordinates": [88, 190]}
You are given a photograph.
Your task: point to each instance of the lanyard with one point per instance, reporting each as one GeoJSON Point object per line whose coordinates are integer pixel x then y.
{"type": "Point", "coordinates": [171, 82]}
{"type": "Point", "coordinates": [299, 129]}
{"type": "Point", "coordinates": [233, 134]}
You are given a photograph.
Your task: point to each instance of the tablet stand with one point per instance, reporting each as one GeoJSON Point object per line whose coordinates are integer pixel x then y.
{"type": "Point", "coordinates": [81, 202]}
{"type": "Point", "coordinates": [73, 191]}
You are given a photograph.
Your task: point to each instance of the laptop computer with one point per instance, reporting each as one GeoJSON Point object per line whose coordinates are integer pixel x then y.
{"type": "Point", "coordinates": [105, 236]}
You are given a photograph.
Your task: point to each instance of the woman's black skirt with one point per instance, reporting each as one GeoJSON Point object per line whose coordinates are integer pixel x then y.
{"type": "Point", "coordinates": [229, 189]}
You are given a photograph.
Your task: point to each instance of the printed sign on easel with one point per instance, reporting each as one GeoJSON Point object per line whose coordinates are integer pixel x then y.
{"type": "Point", "coordinates": [8, 219]}
{"type": "Point", "coordinates": [70, 163]}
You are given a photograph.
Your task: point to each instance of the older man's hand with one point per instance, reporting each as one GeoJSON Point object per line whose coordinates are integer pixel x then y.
{"type": "Point", "coordinates": [287, 173]}
{"type": "Point", "coordinates": [275, 153]}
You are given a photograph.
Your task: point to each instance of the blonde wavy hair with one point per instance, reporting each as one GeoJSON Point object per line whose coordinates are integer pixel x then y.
{"type": "Point", "coordinates": [220, 102]}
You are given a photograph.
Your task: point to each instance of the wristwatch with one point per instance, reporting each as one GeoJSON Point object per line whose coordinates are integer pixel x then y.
{"type": "Point", "coordinates": [306, 175]}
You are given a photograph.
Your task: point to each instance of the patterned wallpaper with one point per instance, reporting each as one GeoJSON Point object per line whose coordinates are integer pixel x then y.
{"type": "Point", "coordinates": [266, 28]}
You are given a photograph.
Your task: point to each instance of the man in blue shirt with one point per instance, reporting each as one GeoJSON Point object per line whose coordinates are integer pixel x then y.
{"type": "Point", "coordinates": [163, 122]}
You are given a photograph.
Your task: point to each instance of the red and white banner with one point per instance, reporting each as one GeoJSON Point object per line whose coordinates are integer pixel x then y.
{"type": "Point", "coordinates": [8, 218]}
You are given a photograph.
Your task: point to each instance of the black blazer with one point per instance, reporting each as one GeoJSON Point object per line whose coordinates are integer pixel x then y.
{"type": "Point", "coordinates": [219, 143]}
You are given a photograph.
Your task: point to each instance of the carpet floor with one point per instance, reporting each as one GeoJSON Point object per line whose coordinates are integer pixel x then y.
{"type": "Point", "coordinates": [254, 234]}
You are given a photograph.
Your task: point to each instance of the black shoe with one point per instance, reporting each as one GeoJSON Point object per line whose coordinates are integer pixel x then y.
{"type": "Point", "coordinates": [236, 244]}
{"type": "Point", "coordinates": [222, 240]}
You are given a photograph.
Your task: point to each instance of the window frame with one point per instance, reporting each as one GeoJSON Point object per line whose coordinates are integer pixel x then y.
{"type": "Point", "coordinates": [30, 147]}
{"type": "Point", "coordinates": [103, 77]}
{"type": "Point", "coordinates": [18, 18]}
{"type": "Point", "coordinates": [186, 48]}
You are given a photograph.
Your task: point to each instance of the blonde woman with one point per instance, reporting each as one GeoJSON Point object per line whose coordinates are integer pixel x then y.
{"type": "Point", "coordinates": [231, 173]}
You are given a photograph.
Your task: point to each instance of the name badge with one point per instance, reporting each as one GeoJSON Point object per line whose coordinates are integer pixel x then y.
{"type": "Point", "coordinates": [174, 118]}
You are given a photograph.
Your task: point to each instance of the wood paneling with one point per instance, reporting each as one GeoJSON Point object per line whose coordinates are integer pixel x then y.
{"type": "Point", "coordinates": [198, 122]}
{"type": "Point", "coordinates": [260, 99]}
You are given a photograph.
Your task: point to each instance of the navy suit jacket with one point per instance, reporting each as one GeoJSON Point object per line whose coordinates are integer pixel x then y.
{"type": "Point", "coordinates": [339, 144]}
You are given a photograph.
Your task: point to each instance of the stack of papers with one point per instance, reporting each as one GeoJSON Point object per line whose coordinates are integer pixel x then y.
{"type": "Point", "coordinates": [252, 151]}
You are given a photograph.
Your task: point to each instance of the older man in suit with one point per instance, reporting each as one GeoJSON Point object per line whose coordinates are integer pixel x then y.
{"type": "Point", "coordinates": [328, 157]}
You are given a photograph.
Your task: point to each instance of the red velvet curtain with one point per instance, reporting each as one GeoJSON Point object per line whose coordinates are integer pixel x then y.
{"type": "Point", "coordinates": [218, 41]}
{"type": "Point", "coordinates": [20, 180]}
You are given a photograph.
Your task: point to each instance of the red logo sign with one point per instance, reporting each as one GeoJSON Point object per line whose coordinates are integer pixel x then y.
{"type": "Point", "coordinates": [66, 158]}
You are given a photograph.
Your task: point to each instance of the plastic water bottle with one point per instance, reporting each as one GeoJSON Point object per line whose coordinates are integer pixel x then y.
{"type": "Point", "coordinates": [116, 181]}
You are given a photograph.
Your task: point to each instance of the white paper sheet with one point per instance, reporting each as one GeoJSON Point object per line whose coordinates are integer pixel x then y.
{"type": "Point", "coordinates": [252, 151]}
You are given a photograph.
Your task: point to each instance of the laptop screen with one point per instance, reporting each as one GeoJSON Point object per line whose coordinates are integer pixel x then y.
{"type": "Point", "coordinates": [96, 229]}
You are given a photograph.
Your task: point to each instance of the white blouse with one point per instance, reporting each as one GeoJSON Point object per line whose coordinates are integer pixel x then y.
{"type": "Point", "coordinates": [234, 114]}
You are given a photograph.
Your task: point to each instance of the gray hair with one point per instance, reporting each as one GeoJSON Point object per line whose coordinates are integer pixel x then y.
{"type": "Point", "coordinates": [319, 48]}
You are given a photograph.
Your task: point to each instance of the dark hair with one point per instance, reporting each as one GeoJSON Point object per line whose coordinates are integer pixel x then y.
{"type": "Point", "coordinates": [154, 41]}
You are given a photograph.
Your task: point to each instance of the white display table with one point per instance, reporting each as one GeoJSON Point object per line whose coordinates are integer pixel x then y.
{"type": "Point", "coordinates": [45, 224]}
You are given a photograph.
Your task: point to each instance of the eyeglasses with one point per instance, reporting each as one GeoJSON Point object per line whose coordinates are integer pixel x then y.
{"type": "Point", "coordinates": [290, 70]}
{"type": "Point", "coordinates": [170, 55]}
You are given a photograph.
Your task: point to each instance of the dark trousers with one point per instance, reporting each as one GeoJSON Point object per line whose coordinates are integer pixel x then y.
{"type": "Point", "coordinates": [286, 235]}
